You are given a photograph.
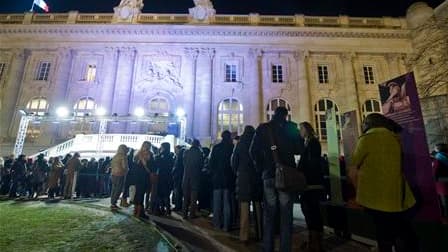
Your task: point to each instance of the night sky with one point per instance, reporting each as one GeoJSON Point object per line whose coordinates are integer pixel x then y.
{"type": "Point", "coordinates": [307, 7]}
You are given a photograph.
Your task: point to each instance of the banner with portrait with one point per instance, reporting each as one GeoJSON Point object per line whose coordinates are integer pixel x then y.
{"type": "Point", "coordinates": [400, 102]}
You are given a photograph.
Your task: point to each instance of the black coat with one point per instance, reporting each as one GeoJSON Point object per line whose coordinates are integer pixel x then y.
{"type": "Point", "coordinates": [193, 163]}
{"type": "Point", "coordinates": [311, 164]}
{"type": "Point", "coordinates": [164, 163]}
{"type": "Point", "coordinates": [178, 171]}
{"type": "Point", "coordinates": [249, 186]}
{"type": "Point", "coordinates": [220, 166]}
{"type": "Point", "coordinates": [288, 142]}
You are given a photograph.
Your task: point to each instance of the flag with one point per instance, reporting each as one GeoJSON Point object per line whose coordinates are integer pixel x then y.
{"type": "Point", "coordinates": [42, 4]}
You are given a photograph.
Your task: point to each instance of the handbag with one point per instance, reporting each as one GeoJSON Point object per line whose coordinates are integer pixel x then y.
{"type": "Point", "coordinates": [287, 178]}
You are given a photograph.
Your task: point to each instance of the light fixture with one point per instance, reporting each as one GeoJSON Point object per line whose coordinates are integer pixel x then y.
{"type": "Point", "coordinates": [180, 112]}
{"type": "Point", "coordinates": [62, 112]}
{"type": "Point", "coordinates": [139, 112]}
{"type": "Point", "coordinates": [100, 111]}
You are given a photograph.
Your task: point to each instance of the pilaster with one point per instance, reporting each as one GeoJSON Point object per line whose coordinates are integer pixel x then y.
{"type": "Point", "coordinates": [256, 87]}
{"type": "Point", "coordinates": [190, 100]}
{"type": "Point", "coordinates": [305, 113]}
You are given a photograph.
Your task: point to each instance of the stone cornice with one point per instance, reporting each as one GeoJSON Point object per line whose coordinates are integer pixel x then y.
{"type": "Point", "coordinates": [173, 30]}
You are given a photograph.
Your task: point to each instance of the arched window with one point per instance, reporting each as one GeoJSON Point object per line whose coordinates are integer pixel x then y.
{"type": "Point", "coordinates": [159, 105]}
{"type": "Point", "coordinates": [371, 106]}
{"type": "Point", "coordinates": [274, 104]}
{"type": "Point", "coordinates": [230, 116]}
{"type": "Point", "coordinates": [38, 106]}
{"type": "Point", "coordinates": [85, 105]}
{"type": "Point", "coordinates": [320, 110]}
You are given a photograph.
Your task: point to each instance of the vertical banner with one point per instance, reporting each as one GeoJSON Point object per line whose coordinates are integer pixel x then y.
{"type": "Point", "coordinates": [400, 102]}
{"type": "Point", "coordinates": [350, 135]}
{"type": "Point", "coordinates": [333, 156]}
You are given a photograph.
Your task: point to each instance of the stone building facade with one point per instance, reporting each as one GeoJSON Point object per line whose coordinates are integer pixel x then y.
{"type": "Point", "coordinates": [224, 71]}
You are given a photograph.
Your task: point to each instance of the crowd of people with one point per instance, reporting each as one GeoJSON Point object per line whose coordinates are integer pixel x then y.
{"type": "Point", "coordinates": [236, 180]}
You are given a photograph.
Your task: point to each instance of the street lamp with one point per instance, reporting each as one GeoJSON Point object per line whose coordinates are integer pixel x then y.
{"type": "Point", "coordinates": [100, 111]}
{"type": "Point", "coordinates": [139, 112]}
{"type": "Point", "coordinates": [62, 112]}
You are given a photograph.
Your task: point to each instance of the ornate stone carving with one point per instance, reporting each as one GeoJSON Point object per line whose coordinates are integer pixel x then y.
{"type": "Point", "coordinates": [163, 70]}
{"type": "Point", "coordinates": [192, 53]}
{"type": "Point", "coordinates": [301, 55]}
{"type": "Point", "coordinates": [255, 52]}
{"type": "Point", "coordinates": [203, 11]}
{"type": "Point", "coordinates": [127, 10]}
{"type": "Point", "coordinates": [210, 52]}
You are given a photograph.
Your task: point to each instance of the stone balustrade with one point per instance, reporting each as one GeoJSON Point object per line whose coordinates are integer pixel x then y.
{"type": "Point", "coordinates": [251, 19]}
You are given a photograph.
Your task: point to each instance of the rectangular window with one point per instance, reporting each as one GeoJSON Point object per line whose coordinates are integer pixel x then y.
{"type": "Point", "coordinates": [90, 75]}
{"type": "Point", "coordinates": [277, 73]}
{"type": "Point", "coordinates": [369, 76]}
{"type": "Point", "coordinates": [231, 73]}
{"type": "Point", "coordinates": [43, 71]}
{"type": "Point", "coordinates": [322, 71]}
{"type": "Point", "coordinates": [2, 70]}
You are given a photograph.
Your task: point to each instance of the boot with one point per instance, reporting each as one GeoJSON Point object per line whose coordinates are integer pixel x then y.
{"type": "Point", "coordinates": [124, 202]}
{"type": "Point", "coordinates": [315, 241]}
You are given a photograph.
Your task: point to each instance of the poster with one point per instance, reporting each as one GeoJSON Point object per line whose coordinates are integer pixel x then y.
{"type": "Point", "coordinates": [350, 135]}
{"type": "Point", "coordinates": [333, 156]}
{"type": "Point", "coordinates": [400, 102]}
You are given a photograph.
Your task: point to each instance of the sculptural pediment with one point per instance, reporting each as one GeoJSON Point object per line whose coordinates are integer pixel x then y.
{"type": "Point", "coordinates": [161, 71]}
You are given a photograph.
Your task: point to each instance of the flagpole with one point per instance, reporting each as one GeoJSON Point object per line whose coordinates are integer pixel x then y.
{"type": "Point", "coordinates": [32, 7]}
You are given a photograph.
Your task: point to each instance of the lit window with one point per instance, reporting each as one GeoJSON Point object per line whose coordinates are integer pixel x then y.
{"type": "Point", "coordinates": [43, 71]}
{"type": "Point", "coordinates": [231, 73]}
{"type": "Point", "coordinates": [37, 106]}
{"type": "Point", "coordinates": [230, 116]}
{"type": "Point", "coordinates": [322, 71]}
{"type": "Point", "coordinates": [277, 73]}
{"type": "Point", "coordinates": [159, 105]}
{"type": "Point", "coordinates": [274, 104]}
{"type": "Point", "coordinates": [371, 106]}
{"type": "Point", "coordinates": [84, 106]}
{"type": "Point", "coordinates": [320, 113]}
{"type": "Point", "coordinates": [90, 73]}
{"type": "Point", "coordinates": [369, 76]}
{"type": "Point", "coordinates": [2, 70]}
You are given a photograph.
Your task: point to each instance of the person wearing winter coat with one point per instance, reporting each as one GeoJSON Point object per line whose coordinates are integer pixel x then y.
{"type": "Point", "coordinates": [222, 180]}
{"type": "Point", "coordinates": [381, 185]}
{"type": "Point", "coordinates": [165, 162]}
{"type": "Point", "coordinates": [311, 165]}
{"type": "Point", "coordinates": [129, 180]}
{"type": "Point", "coordinates": [193, 163]}
{"type": "Point", "coordinates": [178, 173]}
{"type": "Point", "coordinates": [53, 179]}
{"type": "Point", "coordinates": [73, 165]}
{"type": "Point", "coordinates": [18, 173]}
{"type": "Point", "coordinates": [142, 165]}
{"type": "Point", "coordinates": [441, 176]}
{"type": "Point", "coordinates": [119, 169]}
{"type": "Point", "coordinates": [248, 184]}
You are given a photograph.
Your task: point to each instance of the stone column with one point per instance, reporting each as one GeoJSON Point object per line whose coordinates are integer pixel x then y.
{"type": "Point", "coordinates": [203, 96]}
{"type": "Point", "coordinates": [351, 84]}
{"type": "Point", "coordinates": [255, 114]}
{"type": "Point", "coordinates": [393, 65]}
{"type": "Point", "coordinates": [13, 85]}
{"type": "Point", "coordinates": [123, 83]}
{"type": "Point", "coordinates": [305, 107]}
{"type": "Point", "coordinates": [61, 80]}
{"type": "Point", "coordinates": [190, 91]}
{"type": "Point", "coordinates": [107, 79]}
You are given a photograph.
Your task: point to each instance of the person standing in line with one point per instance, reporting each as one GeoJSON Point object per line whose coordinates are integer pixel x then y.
{"type": "Point", "coordinates": [278, 204]}
{"type": "Point", "coordinates": [18, 173]}
{"type": "Point", "coordinates": [178, 173]}
{"type": "Point", "coordinates": [206, 190]}
{"type": "Point", "coordinates": [119, 170]}
{"type": "Point", "coordinates": [193, 163]}
{"type": "Point", "coordinates": [128, 179]}
{"type": "Point", "coordinates": [53, 180]}
{"type": "Point", "coordinates": [64, 174]}
{"type": "Point", "coordinates": [142, 163]}
{"type": "Point", "coordinates": [221, 171]}
{"type": "Point", "coordinates": [311, 165]}
{"type": "Point", "coordinates": [441, 176]}
{"type": "Point", "coordinates": [165, 163]}
{"type": "Point", "coordinates": [73, 166]}
{"type": "Point", "coordinates": [248, 184]}
{"type": "Point", "coordinates": [381, 186]}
